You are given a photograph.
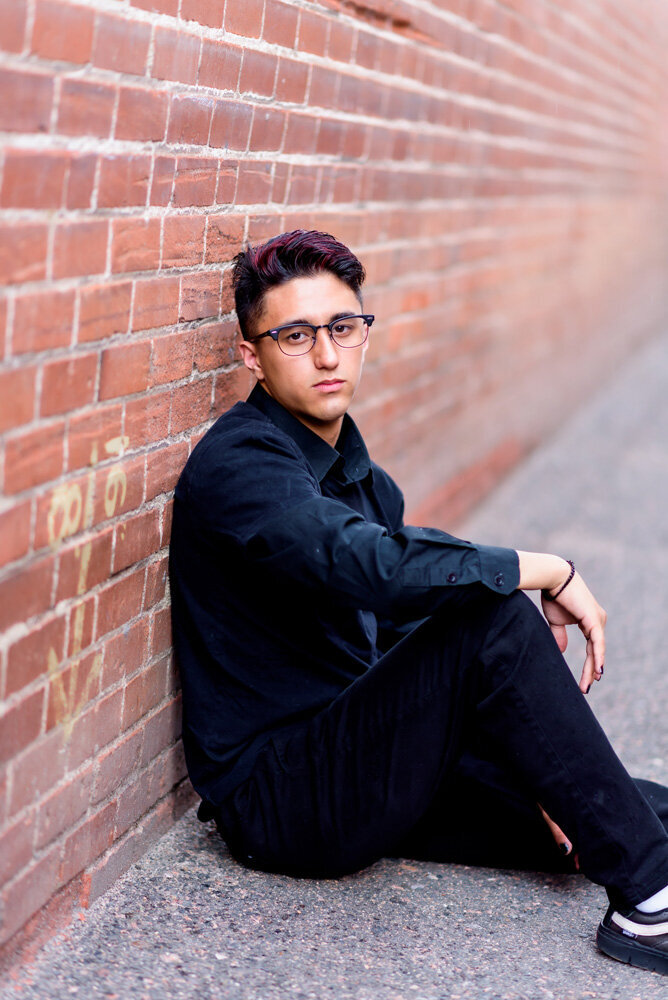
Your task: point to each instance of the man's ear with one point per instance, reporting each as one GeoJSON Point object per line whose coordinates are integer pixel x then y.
{"type": "Point", "coordinates": [250, 358]}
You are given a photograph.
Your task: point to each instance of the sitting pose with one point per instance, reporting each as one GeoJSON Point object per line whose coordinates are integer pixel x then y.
{"type": "Point", "coordinates": [355, 688]}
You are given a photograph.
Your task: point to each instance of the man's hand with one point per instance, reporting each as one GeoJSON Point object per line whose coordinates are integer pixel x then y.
{"type": "Point", "coordinates": [575, 605]}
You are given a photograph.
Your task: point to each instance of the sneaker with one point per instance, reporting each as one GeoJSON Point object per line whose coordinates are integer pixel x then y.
{"type": "Point", "coordinates": [639, 939]}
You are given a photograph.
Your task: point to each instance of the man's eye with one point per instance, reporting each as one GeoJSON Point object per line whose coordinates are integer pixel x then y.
{"type": "Point", "coordinates": [343, 327]}
{"type": "Point", "coordinates": [296, 336]}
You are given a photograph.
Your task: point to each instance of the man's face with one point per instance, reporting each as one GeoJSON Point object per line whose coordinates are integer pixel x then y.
{"type": "Point", "coordinates": [317, 387]}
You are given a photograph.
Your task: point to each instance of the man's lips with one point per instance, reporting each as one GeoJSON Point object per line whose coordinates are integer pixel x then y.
{"type": "Point", "coordinates": [329, 385]}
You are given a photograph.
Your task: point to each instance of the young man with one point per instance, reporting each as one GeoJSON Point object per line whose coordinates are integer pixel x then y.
{"type": "Point", "coordinates": [354, 687]}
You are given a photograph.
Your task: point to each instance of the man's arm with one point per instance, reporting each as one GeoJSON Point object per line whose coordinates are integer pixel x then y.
{"type": "Point", "coordinates": [575, 605]}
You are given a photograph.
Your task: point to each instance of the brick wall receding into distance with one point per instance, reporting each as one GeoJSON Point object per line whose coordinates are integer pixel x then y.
{"type": "Point", "coordinates": [500, 165]}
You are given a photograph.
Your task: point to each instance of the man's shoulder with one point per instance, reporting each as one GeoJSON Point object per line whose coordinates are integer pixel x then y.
{"type": "Point", "coordinates": [238, 437]}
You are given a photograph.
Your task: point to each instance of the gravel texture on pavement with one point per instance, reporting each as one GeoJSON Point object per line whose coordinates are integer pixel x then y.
{"type": "Point", "coordinates": [187, 921]}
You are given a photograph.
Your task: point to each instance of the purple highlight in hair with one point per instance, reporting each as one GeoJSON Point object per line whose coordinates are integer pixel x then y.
{"type": "Point", "coordinates": [299, 254]}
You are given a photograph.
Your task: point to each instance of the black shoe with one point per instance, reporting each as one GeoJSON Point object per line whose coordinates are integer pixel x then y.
{"type": "Point", "coordinates": [640, 939]}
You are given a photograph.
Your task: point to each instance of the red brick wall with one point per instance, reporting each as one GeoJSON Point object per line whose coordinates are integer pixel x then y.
{"type": "Point", "coordinates": [501, 168]}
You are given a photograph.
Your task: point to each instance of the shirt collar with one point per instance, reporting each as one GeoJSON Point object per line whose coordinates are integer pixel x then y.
{"type": "Point", "coordinates": [350, 452]}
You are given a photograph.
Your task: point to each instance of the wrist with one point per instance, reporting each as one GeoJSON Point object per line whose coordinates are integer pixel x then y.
{"type": "Point", "coordinates": [551, 593]}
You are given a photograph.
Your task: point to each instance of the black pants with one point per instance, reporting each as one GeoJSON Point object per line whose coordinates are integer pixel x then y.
{"type": "Point", "coordinates": [476, 702]}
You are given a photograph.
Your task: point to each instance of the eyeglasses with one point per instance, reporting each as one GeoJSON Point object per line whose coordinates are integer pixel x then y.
{"type": "Point", "coordinates": [299, 338]}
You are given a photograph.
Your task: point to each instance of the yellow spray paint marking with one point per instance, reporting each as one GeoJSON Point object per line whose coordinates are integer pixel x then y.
{"type": "Point", "coordinates": [68, 513]}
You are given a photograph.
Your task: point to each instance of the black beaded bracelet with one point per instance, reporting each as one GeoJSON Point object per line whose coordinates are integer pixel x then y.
{"type": "Point", "coordinates": [547, 596]}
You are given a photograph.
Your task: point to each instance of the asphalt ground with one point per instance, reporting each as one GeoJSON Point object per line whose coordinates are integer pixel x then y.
{"type": "Point", "coordinates": [187, 921]}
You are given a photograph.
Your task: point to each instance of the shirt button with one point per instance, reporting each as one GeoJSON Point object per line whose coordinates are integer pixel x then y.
{"type": "Point", "coordinates": [452, 578]}
{"type": "Point", "coordinates": [499, 579]}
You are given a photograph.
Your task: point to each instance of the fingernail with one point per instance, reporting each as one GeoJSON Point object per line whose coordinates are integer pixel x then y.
{"type": "Point", "coordinates": [588, 689]}
{"type": "Point", "coordinates": [565, 847]}
{"type": "Point", "coordinates": [602, 669]}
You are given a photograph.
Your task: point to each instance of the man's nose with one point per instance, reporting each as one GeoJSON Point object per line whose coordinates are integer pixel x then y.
{"type": "Point", "coordinates": [324, 350]}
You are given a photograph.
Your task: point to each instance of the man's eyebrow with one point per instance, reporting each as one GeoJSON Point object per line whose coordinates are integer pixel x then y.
{"type": "Point", "coordinates": [307, 322]}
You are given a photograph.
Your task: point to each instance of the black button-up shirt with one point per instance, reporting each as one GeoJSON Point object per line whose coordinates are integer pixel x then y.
{"type": "Point", "coordinates": [291, 572]}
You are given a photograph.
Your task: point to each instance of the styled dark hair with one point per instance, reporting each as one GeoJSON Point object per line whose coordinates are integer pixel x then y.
{"type": "Point", "coordinates": [299, 254]}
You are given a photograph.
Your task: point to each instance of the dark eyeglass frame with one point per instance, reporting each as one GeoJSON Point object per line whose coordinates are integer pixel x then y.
{"type": "Point", "coordinates": [275, 333]}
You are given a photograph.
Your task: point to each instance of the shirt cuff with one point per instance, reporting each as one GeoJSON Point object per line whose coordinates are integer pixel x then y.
{"type": "Point", "coordinates": [499, 568]}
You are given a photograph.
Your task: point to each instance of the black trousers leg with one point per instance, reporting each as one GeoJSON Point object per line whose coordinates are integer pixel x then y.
{"type": "Point", "coordinates": [336, 792]}
{"type": "Point", "coordinates": [482, 815]}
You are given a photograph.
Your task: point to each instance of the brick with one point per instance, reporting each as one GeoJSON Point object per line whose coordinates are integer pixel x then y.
{"type": "Point", "coordinates": [85, 108]}
{"type": "Point", "coordinates": [33, 457]}
{"type": "Point", "coordinates": [176, 55]}
{"type": "Point", "coordinates": [207, 12]}
{"type": "Point", "coordinates": [124, 369]}
{"type": "Point", "coordinates": [68, 384]}
{"type": "Point", "coordinates": [33, 179]}
{"type": "Point", "coordinates": [104, 309]}
{"type": "Point", "coordinates": [29, 892]}
{"type": "Point", "coordinates": [325, 85]}
{"type": "Point", "coordinates": [330, 138]}
{"type": "Point", "coordinates": [119, 602]}
{"type": "Point", "coordinates": [147, 418]}
{"type": "Point", "coordinates": [300, 134]}
{"type": "Point", "coordinates": [143, 693]}
{"type": "Point", "coordinates": [200, 296]}
{"type": "Point", "coordinates": [156, 303]}
{"type": "Point", "coordinates": [156, 582]}
{"type": "Point", "coordinates": [26, 592]}
{"type": "Point", "coordinates": [17, 397]}
{"type": "Point", "coordinates": [191, 405]}
{"type": "Point", "coordinates": [62, 808]}
{"type": "Point", "coordinates": [215, 345]}
{"type": "Point", "coordinates": [170, 7]}
{"type": "Point", "coordinates": [163, 468]}
{"type": "Point", "coordinates": [12, 24]}
{"type": "Point", "coordinates": [119, 488]}
{"type": "Point", "coordinates": [83, 566]}
{"type": "Point", "coordinates": [195, 181]}
{"type": "Point", "coordinates": [220, 65]}
{"type": "Point", "coordinates": [108, 715]}
{"type": "Point", "coordinates": [161, 730]}
{"type": "Point", "coordinates": [14, 532]}
{"type": "Point", "coordinates": [39, 768]}
{"type": "Point", "coordinates": [313, 33]}
{"type": "Point", "coordinates": [62, 32]}
{"type": "Point", "coordinates": [342, 38]}
{"type": "Point", "coordinates": [21, 724]}
{"type": "Point", "coordinates": [124, 654]}
{"type": "Point", "coordinates": [26, 101]}
{"type": "Point", "coordinates": [123, 181]}
{"type": "Point", "coordinates": [227, 182]}
{"type": "Point", "coordinates": [135, 245]}
{"type": "Point", "coordinates": [231, 387]}
{"type": "Point", "coordinates": [88, 434]}
{"type": "Point", "coordinates": [60, 511]}
{"type": "Point", "coordinates": [29, 658]}
{"type": "Point", "coordinates": [267, 130]}
{"type": "Point", "coordinates": [121, 44]}
{"type": "Point", "coordinates": [292, 81]}
{"type": "Point", "coordinates": [254, 183]}
{"type": "Point", "coordinates": [16, 847]}
{"type": "Point", "coordinates": [258, 73]}
{"type": "Point", "coordinates": [71, 689]}
{"type": "Point", "coordinates": [136, 538]}
{"type": "Point", "coordinates": [81, 630]}
{"type": "Point", "coordinates": [162, 631]}
{"type": "Point", "coordinates": [80, 248]}
{"type": "Point", "coordinates": [80, 183]}
{"type": "Point", "coordinates": [280, 23]}
{"type": "Point", "coordinates": [172, 358]}
{"type": "Point", "coordinates": [303, 184]}
{"type": "Point", "coordinates": [244, 19]}
{"type": "Point", "coordinates": [223, 238]}
{"type": "Point", "coordinates": [190, 119]}
{"type": "Point", "coordinates": [23, 248]}
{"type": "Point", "coordinates": [183, 240]}
{"type": "Point", "coordinates": [231, 125]}
{"type": "Point", "coordinates": [116, 765]}
{"type": "Point", "coordinates": [142, 114]}
{"type": "Point", "coordinates": [87, 842]}
{"type": "Point", "coordinates": [167, 517]}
